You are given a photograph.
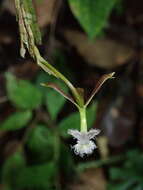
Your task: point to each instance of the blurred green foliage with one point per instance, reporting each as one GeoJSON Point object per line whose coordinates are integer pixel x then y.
{"type": "Point", "coordinates": [40, 144]}
{"type": "Point", "coordinates": [16, 121]}
{"type": "Point", "coordinates": [130, 175]}
{"type": "Point", "coordinates": [92, 14]}
{"type": "Point", "coordinates": [54, 102]}
{"type": "Point", "coordinates": [22, 93]}
{"type": "Point", "coordinates": [44, 155]}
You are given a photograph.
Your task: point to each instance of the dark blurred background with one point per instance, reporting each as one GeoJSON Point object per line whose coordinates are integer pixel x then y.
{"type": "Point", "coordinates": [35, 151]}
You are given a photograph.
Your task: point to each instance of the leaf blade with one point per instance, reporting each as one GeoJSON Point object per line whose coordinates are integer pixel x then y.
{"type": "Point", "coordinates": [60, 91]}
{"type": "Point", "coordinates": [16, 121]}
{"type": "Point", "coordinates": [92, 14]}
{"type": "Point", "coordinates": [101, 81]}
{"type": "Point", "coordinates": [22, 93]}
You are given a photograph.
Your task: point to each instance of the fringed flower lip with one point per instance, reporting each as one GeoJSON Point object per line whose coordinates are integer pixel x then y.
{"type": "Point", "coordinates": [85, 144]}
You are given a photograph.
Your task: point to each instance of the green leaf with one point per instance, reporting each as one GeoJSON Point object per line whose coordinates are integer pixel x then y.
{"type": "Point", "coordinates": [73, 120]}
{"type": "Point", "coordinates": [40, 144]}
{"type": "Point", "coordinates": [55, 101]}
{"type": "Point", "coordinates": [22, 93]}
{"type": "Point", "coordinates": [92, 14]}
{"type": "Point", "coordinates": [17, 120]}
{"type": "Point", "coordinates": [34, 177]}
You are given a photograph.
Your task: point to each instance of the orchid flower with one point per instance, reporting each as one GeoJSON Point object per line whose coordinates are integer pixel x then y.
{"type": "Point", "coordinates": [85, 144]}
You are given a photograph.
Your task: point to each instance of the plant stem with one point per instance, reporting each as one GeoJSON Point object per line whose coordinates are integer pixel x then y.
{"type": "Point", "coordinates": [29, 33]}
{"type": "Point", "coordinates": [83, 122]}
{"type": "Point", "coordinates": [51, 70]}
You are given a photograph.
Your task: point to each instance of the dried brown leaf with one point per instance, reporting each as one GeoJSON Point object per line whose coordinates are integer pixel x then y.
{"type": "Point", "coordinates": [103, 52]}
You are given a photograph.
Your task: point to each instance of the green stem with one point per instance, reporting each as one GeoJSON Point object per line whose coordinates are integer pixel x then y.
{"type": "Point", "coordinates": [28, 39]}
{"type": "Point", "coordinates": [51, 70]}
{"type": "Point", "coordinates": [83, 122]}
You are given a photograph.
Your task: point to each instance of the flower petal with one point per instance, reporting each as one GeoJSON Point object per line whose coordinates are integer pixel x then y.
{"type": "Point", "coordinates": [81, 149]}
{"type": "Point", "coordinates": [75, 133]}
{"type": "Point", "coordinates": [92, 133]}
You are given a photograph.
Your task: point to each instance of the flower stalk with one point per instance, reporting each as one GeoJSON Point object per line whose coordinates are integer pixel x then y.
{"type": "Point", "coordinates": [83, 122]}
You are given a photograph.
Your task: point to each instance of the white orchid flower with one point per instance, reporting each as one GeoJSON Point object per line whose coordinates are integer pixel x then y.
{"type": "Point", "coordinates": [85, 144]}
